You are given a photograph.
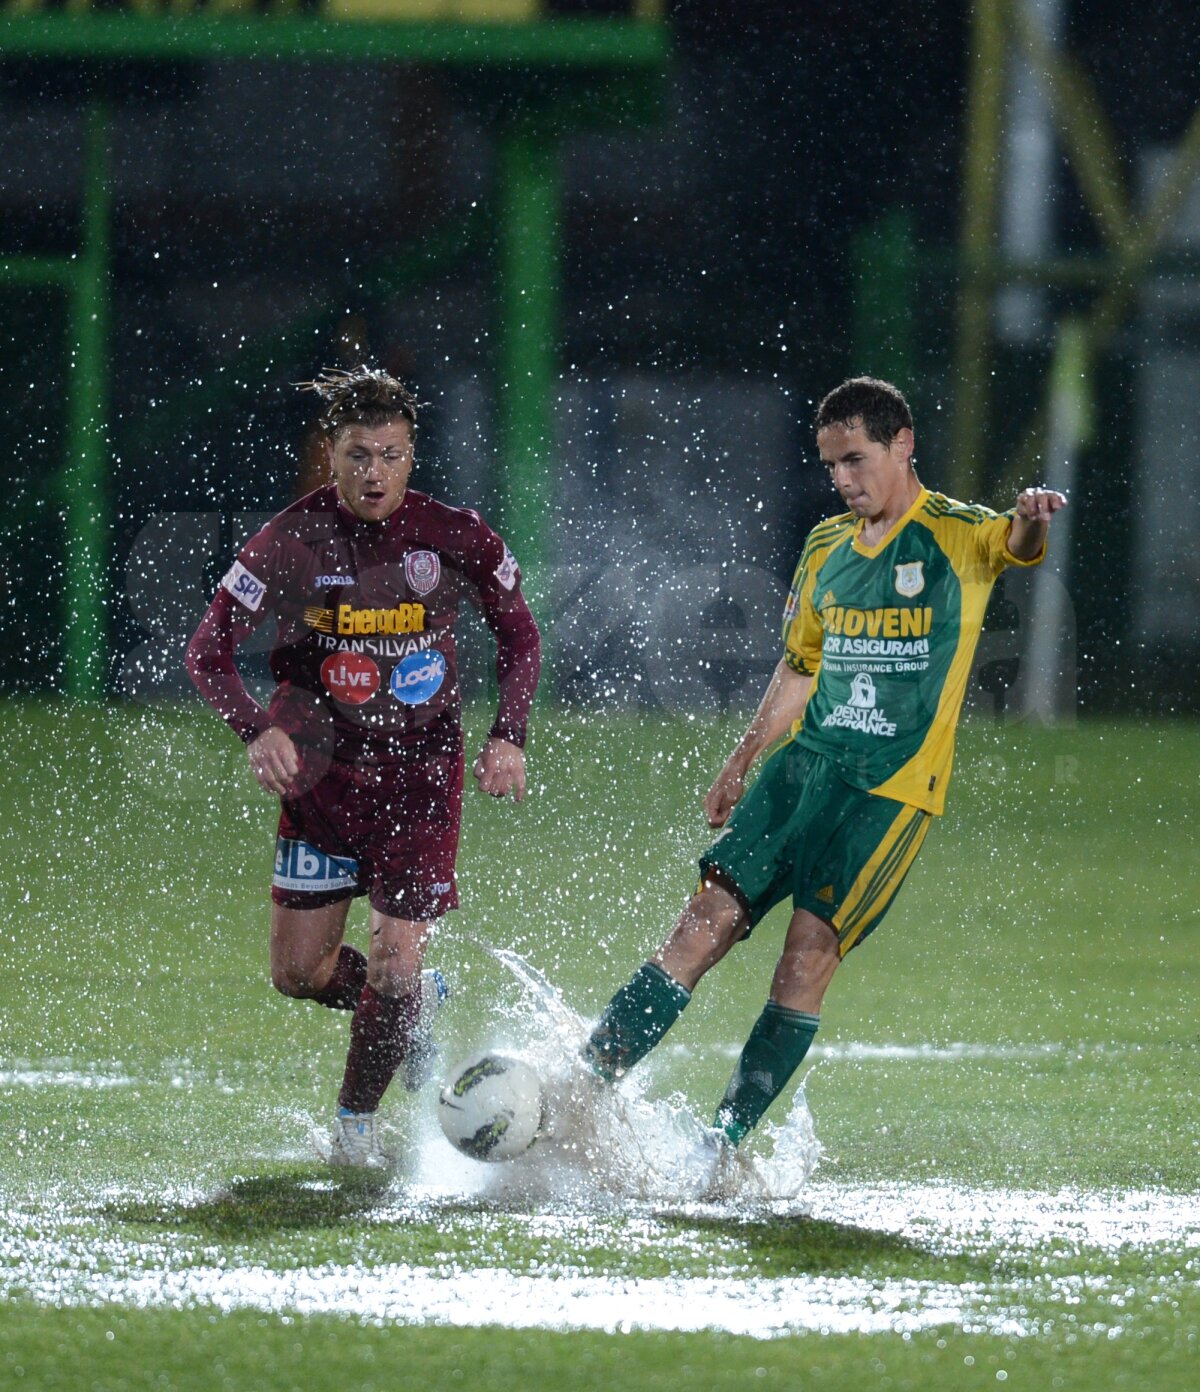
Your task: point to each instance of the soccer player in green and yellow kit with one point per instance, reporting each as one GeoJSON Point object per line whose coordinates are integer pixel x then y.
{"type": "Point", "coordinates": [881, 625]}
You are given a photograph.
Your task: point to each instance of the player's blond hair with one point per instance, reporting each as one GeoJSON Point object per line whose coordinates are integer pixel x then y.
{"type": "Point", "coordinates": [360, 396]}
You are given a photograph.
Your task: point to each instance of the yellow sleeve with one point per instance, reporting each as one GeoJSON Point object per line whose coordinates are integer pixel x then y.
{"type": "Point", "coordinates": [993, 544]}
{"type": "Point", "coordinates": [803, 634]}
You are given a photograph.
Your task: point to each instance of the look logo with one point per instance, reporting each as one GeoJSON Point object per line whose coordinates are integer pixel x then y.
{"type": "Point", "coordinates": [350, 677]}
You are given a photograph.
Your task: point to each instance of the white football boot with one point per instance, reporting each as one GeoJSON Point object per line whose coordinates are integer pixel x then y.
{"type": "Point", "coordinates": [713, 1167]}
{"type": "Point", "coordinates": [418, 1065]}
{"type": "Point", "coordinates": [355, 1142]}
{"type": "Point", "coordinates": [725, 1171]}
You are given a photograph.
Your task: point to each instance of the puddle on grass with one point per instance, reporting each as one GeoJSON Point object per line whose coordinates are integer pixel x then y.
{"type": "Point", "coordinates": [1070, 1220]}
{"type": "Point", "coordinates": [617, 1170]}
{"type": "Point", "coordinates": [57, 1257]}
{"type": "Point", "coordinates": [629, 1187]}
{"type": "Point", "coordinates": [402, 1294]}
{"type": "Point", "coordinates": [575, 1205]}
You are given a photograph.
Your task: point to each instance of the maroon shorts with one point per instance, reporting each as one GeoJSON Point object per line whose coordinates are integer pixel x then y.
{"type": "Point", "coordinates": [389, 831]}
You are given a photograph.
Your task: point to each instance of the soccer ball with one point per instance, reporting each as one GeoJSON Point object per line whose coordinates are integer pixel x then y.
{"type": "Point", "coordinates": [491, 1108]}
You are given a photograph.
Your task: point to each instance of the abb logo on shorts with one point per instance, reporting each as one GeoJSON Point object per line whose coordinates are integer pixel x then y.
{"type": "Point", "coordinates": [350, 677]}
{"type": "Point", "coordinates": [299, 866]}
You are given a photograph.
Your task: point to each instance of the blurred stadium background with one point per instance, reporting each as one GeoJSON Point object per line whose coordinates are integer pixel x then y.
{"type": "Point", "coordinates": [621, 247]}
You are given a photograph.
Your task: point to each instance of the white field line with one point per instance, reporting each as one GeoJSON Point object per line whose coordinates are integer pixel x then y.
{"type": "Point", "coordinates": [92, 1076]}
{"type": "Point", "coordinates": [855, 1051]}
{"type": "Point", "coordinates": [62, 1073]}
{"type": "Point", "coordinates": [71, 1073]}
{"type": "Point", "coordinates": [59, 1259]}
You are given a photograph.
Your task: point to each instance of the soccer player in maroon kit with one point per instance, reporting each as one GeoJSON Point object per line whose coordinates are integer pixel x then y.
{"type": "Point", "coordinates": [362, 739]}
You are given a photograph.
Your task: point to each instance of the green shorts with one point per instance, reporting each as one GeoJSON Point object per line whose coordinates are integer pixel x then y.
{"type": "Point", "coordinates": [840, 852]}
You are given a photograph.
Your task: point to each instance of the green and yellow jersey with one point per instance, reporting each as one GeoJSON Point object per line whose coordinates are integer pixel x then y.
{"type": "Point", "coordinates": [889, 632]}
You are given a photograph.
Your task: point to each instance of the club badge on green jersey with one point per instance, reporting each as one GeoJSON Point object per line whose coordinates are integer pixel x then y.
{"type": "Point", "coordinates": [910, 578]}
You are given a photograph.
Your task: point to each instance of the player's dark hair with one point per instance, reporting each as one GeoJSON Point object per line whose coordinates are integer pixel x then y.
{"type": "Point", "coordinates": [880, 407]}
{"type": "Point", "coordinates": [361, 396]}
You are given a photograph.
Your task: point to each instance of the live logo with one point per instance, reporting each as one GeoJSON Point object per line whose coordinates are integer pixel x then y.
{"type": "Point", "coordinates": [350, 677]}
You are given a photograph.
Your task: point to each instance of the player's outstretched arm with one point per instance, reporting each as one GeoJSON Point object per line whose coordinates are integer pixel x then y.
{"type": "Point", "coordinates": [782, 704]}
{"type": "Point", "coordinates": [500, 769]}
{"type": "Point", "coordinates": [1035, 508]}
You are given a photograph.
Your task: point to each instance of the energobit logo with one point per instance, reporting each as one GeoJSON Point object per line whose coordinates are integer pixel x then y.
{"type": "Point", "coordinates": [404, 618]}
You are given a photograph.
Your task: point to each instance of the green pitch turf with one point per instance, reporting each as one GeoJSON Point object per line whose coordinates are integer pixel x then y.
{"type": "Point", "coordinates": [1004, 1084]}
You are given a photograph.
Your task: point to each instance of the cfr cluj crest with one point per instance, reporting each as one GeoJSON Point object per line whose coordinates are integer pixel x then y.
{"type": "Point", "coordinates": [422, 570]}
{"type": "Point", "coordinates": [910, 578]}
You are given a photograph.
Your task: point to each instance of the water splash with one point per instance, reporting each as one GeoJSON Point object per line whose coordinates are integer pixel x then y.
{"type": "Point", "coordinates": [605, 1144]}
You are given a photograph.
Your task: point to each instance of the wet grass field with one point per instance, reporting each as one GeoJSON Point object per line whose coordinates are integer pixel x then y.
{"type": "Point", "coordinates": [1005, 1088]}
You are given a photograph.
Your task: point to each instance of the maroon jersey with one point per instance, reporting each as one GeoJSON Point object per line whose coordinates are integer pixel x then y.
{"type": "Point", "coordinates": [364, 652]}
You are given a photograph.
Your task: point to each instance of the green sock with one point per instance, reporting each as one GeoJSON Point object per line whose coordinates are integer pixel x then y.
{"type": "Point", "coordinates": [636, 1018]}
{"type": "Point", "coordinates": [777, 1044]}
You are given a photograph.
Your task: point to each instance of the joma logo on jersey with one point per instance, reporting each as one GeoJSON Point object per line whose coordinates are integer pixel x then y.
{"type": "Point", "coordinates": [404, 618]}
{"type": "Point", "coordinates": [876, 623]}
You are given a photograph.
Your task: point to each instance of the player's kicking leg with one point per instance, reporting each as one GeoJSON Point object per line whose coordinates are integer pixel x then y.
{"type": "Point", "coordinates": [646, 1007]}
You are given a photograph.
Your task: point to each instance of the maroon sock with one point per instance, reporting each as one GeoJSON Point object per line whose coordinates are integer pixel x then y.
{"type": "Point", "coordinates": [342, 990]}
{"type": "Point", "coordinates": [379, 1036]}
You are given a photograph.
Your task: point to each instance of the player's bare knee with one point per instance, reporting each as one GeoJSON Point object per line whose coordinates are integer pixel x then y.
{"type": "Point", "coordinates": [808, 936]}
{"type": "Point", "coordinates": [396, 955]}
{"type": "Point", "coordinates": [806, 965]}
{"type": "Point", "coordinates": [723, 914]}
{"type": "Point", "coordinates": [703, 935]}
{"type": "Point", "coordinates": [290, 980]}
{"type": "Point", "coordinates": [693, 936]}
{"type": "Point", "coordinates": [393, 978]}
{"type": "Point", "coordinates": [392, 966]}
